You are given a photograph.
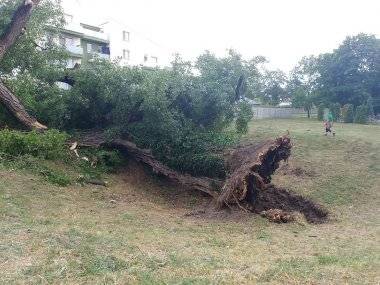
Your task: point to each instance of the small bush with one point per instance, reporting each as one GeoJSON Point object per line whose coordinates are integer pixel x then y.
{"type": "Point", "coordinates": [361, 114]}
{"type": "Point", "coordinates": [347, 113]}
{"type": "Point", "coordinates": [244, 115]}
{"type": "Point", "coordinates": [103, 161]}
{"type": "Point", "coordinates": [49, 145]}
{"type": "Point", "coordinates": [109, 159]}
{"type": "Point", "coordinates": [321, 112]}
{"type": "Point", "coordinates": [55, 177]}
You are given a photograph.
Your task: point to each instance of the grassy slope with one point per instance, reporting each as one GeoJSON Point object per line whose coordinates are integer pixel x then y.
{"type": "Point", "coordinates": [136, 232]}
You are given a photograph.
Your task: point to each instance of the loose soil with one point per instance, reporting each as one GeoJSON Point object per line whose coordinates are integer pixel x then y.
{"type": "Point", "coordinates": [285, 200]}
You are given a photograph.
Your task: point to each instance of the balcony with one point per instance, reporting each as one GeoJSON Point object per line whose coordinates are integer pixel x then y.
{"type": "Point", "coordinates": [77, 50]}
{"type": "Point", "coordinates": [98, 55]}
{"type": "Point", "coordinates": [79, 30]}
{"type": "Point", "coordinates": [98, 36]}
{"type": "Point", "coordinates": [102, 55]}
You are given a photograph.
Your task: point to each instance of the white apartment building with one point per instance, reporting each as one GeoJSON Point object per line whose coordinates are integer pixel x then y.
{"type": "Point", "coordinates": [109, 40]}
{"type": "Point", "coordinates": [131, 48]}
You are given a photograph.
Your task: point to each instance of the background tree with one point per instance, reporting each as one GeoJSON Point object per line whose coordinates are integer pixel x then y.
{"type": "Point", "coordinates": [350, 74]}
{"type": "Point", "coordinates": [273, 87]}
{"type": "Point", "coordinates": [302, 99]}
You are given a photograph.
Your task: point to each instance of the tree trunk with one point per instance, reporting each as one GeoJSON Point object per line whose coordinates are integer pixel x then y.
{"type": "Point", "coordinates": [203, 184]}
{"type": "Point", "coordinates": [251, 168]}
{"type": "Point", "coordinates": [7, 39]}
{"type": "Point", "coordinates": [14, 106]}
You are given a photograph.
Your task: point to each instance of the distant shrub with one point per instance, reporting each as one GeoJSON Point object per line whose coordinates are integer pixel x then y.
{"type": "Point", "coordinates": [335, 111]}
{"type": "Point", "coordinates": [49, 145]}
{"type": "Point", "coordinates": [361, 114]}
{"type": "Point", "coordinates": [347, 113]}
{"type": "Point", "coordinates": [371, 110]}
{"type": "Point", "coordinates": [321, 112]}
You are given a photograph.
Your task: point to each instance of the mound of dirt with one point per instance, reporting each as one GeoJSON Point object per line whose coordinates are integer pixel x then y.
{"type": "Point", "coordinates": [288, 202]}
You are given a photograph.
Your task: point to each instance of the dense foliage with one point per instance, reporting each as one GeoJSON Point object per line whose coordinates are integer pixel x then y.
{"type": "Point", "coordinates": [185, 119]}
{"type": "Point", "coordinates": [49, 145]}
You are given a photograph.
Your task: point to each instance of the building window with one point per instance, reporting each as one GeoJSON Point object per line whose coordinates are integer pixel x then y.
{"type": "Point", "coordinates": [105, 50]}
{"type": "Point", "coordinates": [126, 54]}
{"type": "Point", "coordinates": [155, 59]}
{"type": "Point", "coordinates": [89, 47]}
{"type": "Point", "coordinates": [145, 58]}
{"type": "Point", "coordinates": [126, 36]}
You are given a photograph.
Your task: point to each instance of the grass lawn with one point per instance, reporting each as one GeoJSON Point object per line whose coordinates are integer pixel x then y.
{"type": "Point", "coordinates": [137, 232]}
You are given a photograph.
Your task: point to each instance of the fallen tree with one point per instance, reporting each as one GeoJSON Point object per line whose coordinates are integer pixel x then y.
{"type": "Point", "coordinates": [250, 167]}
{"type": "Point", "coordinates": [247, 185]}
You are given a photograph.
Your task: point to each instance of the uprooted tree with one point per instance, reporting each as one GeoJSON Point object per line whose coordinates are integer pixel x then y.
{"type": "Point", "coordinates": [177, 121]}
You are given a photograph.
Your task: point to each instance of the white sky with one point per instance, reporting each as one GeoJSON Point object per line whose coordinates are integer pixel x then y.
{"type": "Point", "coordinates": [281, 30]}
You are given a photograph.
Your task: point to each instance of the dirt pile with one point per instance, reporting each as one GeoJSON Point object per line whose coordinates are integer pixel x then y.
{"type": "Point", "coordinates": [248, 186]}
{"type": "Point", "coordinates": [286, 201]}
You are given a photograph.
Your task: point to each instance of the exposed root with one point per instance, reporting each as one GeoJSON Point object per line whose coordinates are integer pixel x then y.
{"type": "Point", "coordinates": [255, 170]}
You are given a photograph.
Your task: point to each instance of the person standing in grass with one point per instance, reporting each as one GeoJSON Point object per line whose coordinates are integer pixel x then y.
{"type": "Point", "coordinates": [328, 124]}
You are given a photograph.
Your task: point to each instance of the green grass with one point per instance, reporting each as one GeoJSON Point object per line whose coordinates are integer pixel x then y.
{"type": "Point", "coordinates": [136, 231]}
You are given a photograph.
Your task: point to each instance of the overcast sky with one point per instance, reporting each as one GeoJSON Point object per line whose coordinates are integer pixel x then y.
{"type": "Point", "coordinates": [281, 30]}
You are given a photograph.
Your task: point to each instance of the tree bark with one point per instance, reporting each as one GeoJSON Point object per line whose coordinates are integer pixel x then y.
{"type": "Point", "coordinates": [17, 26]}
{"type": "Point", "coordinates": [14, 106]}
{"type": "Point", "coordinates": [7, 39]}
{"type": "Point", "coordinates": [203, 184]}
